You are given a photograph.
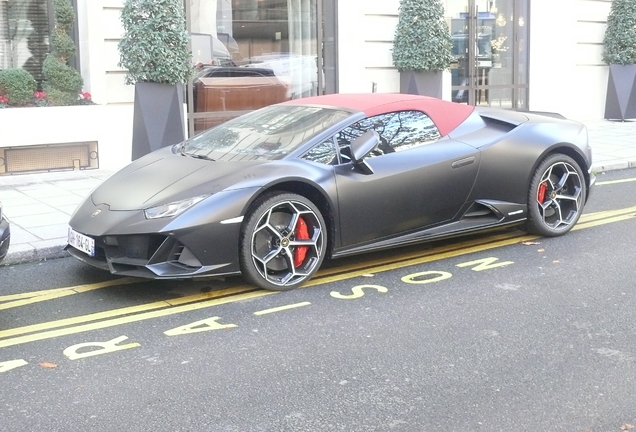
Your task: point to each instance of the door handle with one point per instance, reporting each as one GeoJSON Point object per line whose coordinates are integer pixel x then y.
{"type": "Point", "coordinates": [463, 162]}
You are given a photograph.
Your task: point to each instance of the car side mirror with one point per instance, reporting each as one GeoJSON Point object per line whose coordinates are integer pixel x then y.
{"type": "Point", "coordinates": [361, 147]}
{"type": "Point", "coordinates": [364, 144]}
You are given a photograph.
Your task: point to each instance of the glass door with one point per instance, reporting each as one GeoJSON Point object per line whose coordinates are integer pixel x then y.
{"type": "Point", "coordinates": [489, 65]}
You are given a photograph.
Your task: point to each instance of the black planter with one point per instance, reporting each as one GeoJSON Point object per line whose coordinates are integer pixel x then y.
{"type": "Point", "coordinates": [421, 83]}
{"type": "Point", "coordinates": [158, 120]}
{"type": "Point", "coordinates": [620, 103]}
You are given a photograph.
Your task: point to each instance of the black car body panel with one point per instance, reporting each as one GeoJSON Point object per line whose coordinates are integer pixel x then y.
{"type": "Point", "coordinates": [473, 175]}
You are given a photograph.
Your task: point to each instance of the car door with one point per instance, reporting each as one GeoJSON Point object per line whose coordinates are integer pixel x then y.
{"type": "Point", "coordinates": [419, 179]}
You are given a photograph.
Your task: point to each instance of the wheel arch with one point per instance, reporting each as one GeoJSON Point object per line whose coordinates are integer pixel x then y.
{"type": "Point", "coordinates": [568, 150]}
{"type": "Point", "coordinates": [312, 193]}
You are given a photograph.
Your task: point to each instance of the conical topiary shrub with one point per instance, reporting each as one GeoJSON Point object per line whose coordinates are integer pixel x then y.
{"type": "Point", "coordinates": [422, 38]}
{"type": "Point", "coordinates": [619, 43]}
{"type": "Point", "coordinates": [62, 83]}
{"type": "Point", "coordinates": [154, 46]}
{"type": "Point", "coordinates": [422, 47]}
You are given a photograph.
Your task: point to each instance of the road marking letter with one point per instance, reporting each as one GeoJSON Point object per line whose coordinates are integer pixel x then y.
{"type": "Point", "coordinates": [103, 348]}
{"type": "Point", "coordinates": [199, 326]}
{"type": "Point", "coordinates": [358, 291]}
{"type": "Point", "coordinates": [413, 278]}
{"type": "Point", "coordinates": [12, 364]}
{"type": "Point", "coordinates": [485, 264]}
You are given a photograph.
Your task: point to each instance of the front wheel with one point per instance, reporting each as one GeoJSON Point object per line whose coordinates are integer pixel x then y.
{"type": "Point", "coordinates": [556, 196]}
{"type": "Point", "coordinates": [283, 242]}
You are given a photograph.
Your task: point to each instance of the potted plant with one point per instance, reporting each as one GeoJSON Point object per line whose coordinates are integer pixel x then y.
{"type": "Point", "coordinates": [422, 47]}
{"type": "Point", "coordinates": [619, 52]}
{"type": "Point", "coordinates": [154, 50]}
{"type": "Point", "coordinates": [16, 87]}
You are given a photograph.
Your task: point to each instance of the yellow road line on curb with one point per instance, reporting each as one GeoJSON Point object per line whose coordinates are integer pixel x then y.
{"type": "Point", "coordinates": [39, 298]}
{"type": "Point", "coordinates": [200, 301]}
{"type": "Point", "coordinates": [193, 299]}
{"type": "Point", "coordinates": [128, 319]}
{"type": "Point", "coordinates": [126, 311]}
{"type": "Point", "coordinates": [603, 221]}
{"type": "Point", "coordinates": [64, 291]}
{"type": "Point", "coordinates": [421, 260]}
{"type": "Point", "coordinates": [419, 253]}
{"type": "Point", "coordinates": [75, 289]}
{"type": "Point", "coordinates": [606, 214]}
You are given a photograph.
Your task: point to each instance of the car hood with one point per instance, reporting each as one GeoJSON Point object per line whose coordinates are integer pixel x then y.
{"type": "Point", "coordinates": [162, 177]}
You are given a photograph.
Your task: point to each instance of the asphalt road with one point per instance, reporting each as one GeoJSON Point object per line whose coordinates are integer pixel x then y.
{"type": "Point", "coordinates": [501, 332]}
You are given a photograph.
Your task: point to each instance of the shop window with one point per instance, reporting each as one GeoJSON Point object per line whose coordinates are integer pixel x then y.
{"type": "Point", "coordinates": [24, 35]}
{"type": "Point", "coordinates": [249, 54]}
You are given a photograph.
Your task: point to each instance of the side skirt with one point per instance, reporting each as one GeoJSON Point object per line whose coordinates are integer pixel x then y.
{"type": "Point", "coordinates": [481, 216]}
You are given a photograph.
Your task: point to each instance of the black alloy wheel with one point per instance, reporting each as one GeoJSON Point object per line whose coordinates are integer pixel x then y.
{"type": "Point", "coordinates": [283, 242]}
{"type": "Point", "coordinates": [556, 196]}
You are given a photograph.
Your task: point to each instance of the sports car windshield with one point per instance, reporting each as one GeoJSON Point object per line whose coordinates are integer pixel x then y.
{"type": "Point", "coordinates": [267, 134]}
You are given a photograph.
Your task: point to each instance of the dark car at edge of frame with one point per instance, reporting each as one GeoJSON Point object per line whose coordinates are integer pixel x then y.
{"type": "Point", "coordinates": [271, 194]}
{"type": "Point", "coordinates": [5, 234]}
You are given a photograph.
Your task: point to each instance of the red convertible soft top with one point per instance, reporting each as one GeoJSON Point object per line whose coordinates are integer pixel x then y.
{"type": "Point", "coordinates": [446, 115]}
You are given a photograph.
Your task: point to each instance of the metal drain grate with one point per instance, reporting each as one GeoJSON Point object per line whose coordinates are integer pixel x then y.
{"type": "Point", "coordinates": [53, 157]}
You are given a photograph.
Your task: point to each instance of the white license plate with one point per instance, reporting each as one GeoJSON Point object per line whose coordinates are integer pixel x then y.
{"type": "Point", "coordinates": [81, 242]}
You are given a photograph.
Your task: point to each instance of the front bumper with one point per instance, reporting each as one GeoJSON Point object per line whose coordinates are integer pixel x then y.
{"type": "Point", "coordinates": [153, 256]}
{"type": "Point", "coordinates": [202, 241]}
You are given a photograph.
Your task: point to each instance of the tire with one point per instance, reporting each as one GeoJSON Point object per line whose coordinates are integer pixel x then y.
{"type": "Point", "coordinates": [283, 242]}
{"type": "Point", "coordinates": [556, 196]}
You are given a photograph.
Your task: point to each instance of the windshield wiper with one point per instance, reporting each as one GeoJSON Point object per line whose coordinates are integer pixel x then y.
{"type": "Point", "coordinates": [199, 156]}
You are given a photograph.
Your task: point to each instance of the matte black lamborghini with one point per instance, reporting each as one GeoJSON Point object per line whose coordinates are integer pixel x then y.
{"type": "Point", "coordinates": [272, 193]}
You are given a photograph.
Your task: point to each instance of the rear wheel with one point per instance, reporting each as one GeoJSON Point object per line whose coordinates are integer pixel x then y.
{"type": "Point", "coordinates": [556, 196]}
{"type": "Point", "coordinates": [283, 242]}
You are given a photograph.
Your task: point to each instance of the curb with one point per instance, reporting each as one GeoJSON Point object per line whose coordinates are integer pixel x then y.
{"type": "Point", "coordinates": [613, 166]}
{"type": "Point", "coordinates": [26, 253]}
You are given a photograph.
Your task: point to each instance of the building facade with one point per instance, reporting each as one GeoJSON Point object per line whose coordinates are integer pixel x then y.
{"type": "Point", "coordinates": [513, 54]}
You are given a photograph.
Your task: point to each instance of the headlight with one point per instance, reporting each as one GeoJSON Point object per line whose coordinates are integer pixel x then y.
{"type": "Point", "coordinates": [172, 209]}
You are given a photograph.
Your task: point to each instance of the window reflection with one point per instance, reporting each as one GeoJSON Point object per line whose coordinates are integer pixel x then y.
{"type": "Point", "coordinates": [249, 54]}
{"type": "Point", "coordinates": [266, 134]}
{"type": "Point", "coordinates": [398, 131]}
{"type": "Point", "coordinates": [324, 153]}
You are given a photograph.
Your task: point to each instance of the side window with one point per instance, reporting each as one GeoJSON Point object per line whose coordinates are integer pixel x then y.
{"type": "Point", "coordinates": [324, 153]}
{"type": "Point", "coordinates": [398, 131]}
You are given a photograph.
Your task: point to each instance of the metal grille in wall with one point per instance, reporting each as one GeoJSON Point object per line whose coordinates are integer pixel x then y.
{"type": "Point", "coordinates": [56, 157]}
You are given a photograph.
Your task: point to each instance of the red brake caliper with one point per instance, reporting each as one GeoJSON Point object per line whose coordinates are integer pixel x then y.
{"type": "Point", "coordinates": [301, 233]}
{"type": "Point", "coordinates": [543, 187]}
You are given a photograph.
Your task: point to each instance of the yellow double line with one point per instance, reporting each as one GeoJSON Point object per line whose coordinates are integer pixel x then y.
{"type": "Point", "coordinates": [142, 312]}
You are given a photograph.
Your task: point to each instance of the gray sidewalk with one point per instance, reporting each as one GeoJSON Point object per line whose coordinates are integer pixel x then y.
{"type": "Point", "coordinates": [39, 206]}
